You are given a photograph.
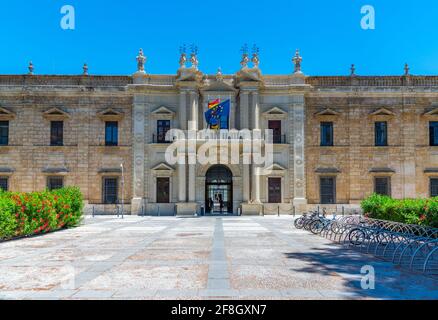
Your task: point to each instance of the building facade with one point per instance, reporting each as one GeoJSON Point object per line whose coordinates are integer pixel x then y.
{"type": "Point", "coordinates": [336, 140]}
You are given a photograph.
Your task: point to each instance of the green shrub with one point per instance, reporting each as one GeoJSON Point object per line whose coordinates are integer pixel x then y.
{"type": "Point", "coordinates": [411, 211]}
{"type": "Point", "coordinates": [23, 214]}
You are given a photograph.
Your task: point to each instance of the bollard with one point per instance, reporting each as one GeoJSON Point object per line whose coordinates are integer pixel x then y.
{"type": "Point", "coordinates": [278, 213]}
{"type": "Point", "coordinates": [159, 214]}
{"type": "Point", "coordinates": [294, 211]}
{"type": "Point", "coordinates": [92, 212]}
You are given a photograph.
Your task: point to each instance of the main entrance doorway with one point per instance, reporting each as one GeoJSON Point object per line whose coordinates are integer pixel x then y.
{"type": "Point", "coordinates": [219, 190]}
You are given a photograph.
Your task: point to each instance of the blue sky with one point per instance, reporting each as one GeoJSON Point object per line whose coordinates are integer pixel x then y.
{"type": "Point", "coordinates": [108, 35]}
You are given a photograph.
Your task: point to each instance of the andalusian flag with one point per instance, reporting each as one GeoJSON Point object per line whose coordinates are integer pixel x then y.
{"type": "Point", "coordinates": [214, 103]}
{"type": "Point", "coordinates": [218, 116]}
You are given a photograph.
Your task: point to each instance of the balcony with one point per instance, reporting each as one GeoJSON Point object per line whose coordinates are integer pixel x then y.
{"type": "Point", "coordinates": [279, 139]}
{"type": "Point", "coordinates": [160, 138]}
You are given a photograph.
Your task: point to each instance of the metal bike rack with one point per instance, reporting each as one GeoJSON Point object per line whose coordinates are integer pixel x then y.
{"type": "Point", "coordinates": [412, 247]}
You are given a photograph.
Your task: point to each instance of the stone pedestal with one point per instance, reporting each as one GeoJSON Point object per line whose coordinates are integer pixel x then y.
{"type": "Point", "coordinates": [250, 209]}
{"type": "Point", "coordinates": [300, 204]}
{"type": "Point", "coordinates": [186, 209]}
{"type": "Point", "coordinates": [136, 206]}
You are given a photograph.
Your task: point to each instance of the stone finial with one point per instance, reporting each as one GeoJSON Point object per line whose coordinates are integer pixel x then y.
{"type": "Point", "coordinates": [85, 70]}
{"type": "Point", "coordinates": [245, 59]}
{"type": "Point", "coordinates": [31, 68]}
{"type": "Point", "coordinates": [183, 57]}
{"type": "Point", "coordinates": [219, 75]}
{"type": "Point", "coordinates": [194, 61]}
{"type": "Point", "coordinates": [182, 61]}
{"type": "Point", "coordinates": [297, 59]}
{"type": "Point", "coordinates": [353, 70]}
{"type": "Point", "coordinates": [194, 57]}
{"type": "Point", "coordinates": [141, 60]}
{"type": "Point", "coordinates": [255, 57]}
{"type": "Point", "coordinates": [407, 69]}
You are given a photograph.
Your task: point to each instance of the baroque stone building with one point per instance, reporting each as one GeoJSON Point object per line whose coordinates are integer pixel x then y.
{"type": "Point", "coordinates": [336, 139]}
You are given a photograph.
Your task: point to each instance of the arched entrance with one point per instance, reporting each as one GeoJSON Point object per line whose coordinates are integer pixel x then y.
{"type": "Point", "coordinates": [219, 190]}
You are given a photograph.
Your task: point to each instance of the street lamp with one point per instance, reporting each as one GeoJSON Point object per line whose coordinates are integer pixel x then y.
{"type": "Point", "coordinates": [123, 189]}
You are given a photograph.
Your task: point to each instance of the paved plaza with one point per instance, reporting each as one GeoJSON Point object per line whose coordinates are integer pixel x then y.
{"type": "Point", "coordinates": [195, 258]}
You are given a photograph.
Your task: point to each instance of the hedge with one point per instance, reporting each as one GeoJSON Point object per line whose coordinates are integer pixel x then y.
{"type": "Point", "coordinates": [25, 214]}
{"type": "Point", "coordinates": [412, 211]}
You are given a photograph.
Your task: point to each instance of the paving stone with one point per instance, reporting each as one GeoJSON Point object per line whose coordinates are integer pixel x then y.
{"type": "Point", "coordinates": [207, 258]}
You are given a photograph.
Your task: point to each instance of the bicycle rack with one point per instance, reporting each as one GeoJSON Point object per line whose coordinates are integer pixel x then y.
{"type": "Point", "coordinates": [411, 247]}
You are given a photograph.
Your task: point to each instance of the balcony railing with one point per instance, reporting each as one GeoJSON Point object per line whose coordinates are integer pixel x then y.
{"type": "Point", "coordinates": [160, 139]}
{"type": "Point", "coordinates": [279, 139]}
{"type": "Point", "coordinates": [212, 135]}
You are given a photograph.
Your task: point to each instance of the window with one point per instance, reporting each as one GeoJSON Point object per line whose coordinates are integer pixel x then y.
{"type": "Point", "coordinates": [4, 133]}
{"type": "Point", "coordinates": [56, 133]}
{"type": "Point", "coordinates": [434, 187]}
{"type": "Point", "coordinates": [4, 185]}
{"type": "Point", "coordinates": [381, 134]}
{"type": "Point", "coordinates": [382, 186]}
{"type": "Point", "coordinates": [326, 134]}
{"type": "Point", "coordinates": [110, 190]}
{"type": "Point", "coordinates": [54, 183]}
{"type": "Point", "coordinates": [433, 133]}
{"type": "Point", "coordinates": [275, 126]}
{"type": "Point", "coordinates": [163, 190]}
{"type": "Point", "coordinates": [162, 127]}
{"type": "Point", "coordinates": [328, 190]}
{"type": "Point", "coordinates": [274, 187]}
{"type": "Point", "coordinates": [111, 133]}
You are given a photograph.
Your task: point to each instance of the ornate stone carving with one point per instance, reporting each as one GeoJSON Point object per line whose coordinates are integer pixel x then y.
{"type": "Point", "coordinates": [182, 61]}
{"type": "Point", "coordinates": [255, 57]}
{"type": "Point", "coordinates": [31, 68]}
{"type": "Point", "coordinates": [194, 58]}
{"type": "Point", "coordinates": [353, 70]}
{"type": "Point", "coordinates": [219, 76]}
{"type": "Point", "coordinates": [85, 69]}
{"type": "Point", "coordinates": [141, 60]}
{"type": "Point", "coordinates": [406, 70]}
{"type": "Point", "coordinates": [245, 59]}
{"type": "Point", "coordinates": [297, 59]}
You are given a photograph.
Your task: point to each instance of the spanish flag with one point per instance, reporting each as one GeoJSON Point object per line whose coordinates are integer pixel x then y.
{"type": "Point", "coordinates": [214, 103]}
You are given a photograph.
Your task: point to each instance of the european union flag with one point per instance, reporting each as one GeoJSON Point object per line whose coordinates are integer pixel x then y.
{"type": "Point", "coordinates": [218, 117]}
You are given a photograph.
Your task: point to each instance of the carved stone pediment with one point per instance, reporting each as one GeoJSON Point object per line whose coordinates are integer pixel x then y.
{"type": "Point", "coordinates": [275, 113]}
{"type": "Point", "coordinates": [432, 113]}
{"type": "Point", "coordinates": [6, 114]}
{"type": "Point", "coordinates": [110, 115]}
{"type": "Point", "coordinates": [55, 114]}
{"type": "Point", "coordinates": [163, 112]}
{"type": "Point", "coordinates": [218, 86]}
{"type": "Point", "coordinates": [162, 169]}
{"type": "Point", "coordinates": [382, 112]}
{"type": "Point", "coordinates": [327, 112]}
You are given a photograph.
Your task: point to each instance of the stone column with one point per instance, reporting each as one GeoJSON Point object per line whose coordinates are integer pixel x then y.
{"type": "Point", "coordinates": [181, 168]}
{"type": "Point", "coordinates": [194, 112]}
{"type": "Point", "coordinates": [255, 193]}
{"type": "Point", "coordinates": [245, 183]}
{"type": "Point", "coordinates": [182, 182]}
{"type": "Point", "coordinates": [192, 183]}
{"type": "Point", "coordinates": [244, 114]}
{"type": "Point", "coordinates": [182, 112]}
{"type": "Point", "coordinates": [298, 125]}
{"type": "Point", "coordinates": [139, 141]}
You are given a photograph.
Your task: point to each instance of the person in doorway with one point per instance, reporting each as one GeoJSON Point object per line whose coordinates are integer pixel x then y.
{"type": "Point", "coordinates": [221, 203]}
{"type": "Point", "coordinates": [210, 205]}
